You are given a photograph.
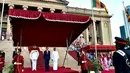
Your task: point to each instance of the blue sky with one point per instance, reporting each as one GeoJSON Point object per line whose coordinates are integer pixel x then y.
{"type": "Point", "coordinates": [115, 8]}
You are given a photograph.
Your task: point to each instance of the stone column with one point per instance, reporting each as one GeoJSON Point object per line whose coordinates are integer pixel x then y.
{"type": "Point", "coordinates": [102, 29]}
{"type": "Point", "coordinates": [110, 33]}
{"type": "Point", "coordinates": [39, 9]}
{"type": "Point", "coordinates": [9, 32]}
{"type": "Point", "coordinates": [86, 36]}
{"type": "Point", "coordinates": [94, 34]}
{"type": "Point", "coordinates": [25, 7]}
{"type": "Point", "coordinates": [64, 11]}
{"type": "Point", "coordinates": [52, 10]}
{"type": "Point", "coordinates": [11, 6]}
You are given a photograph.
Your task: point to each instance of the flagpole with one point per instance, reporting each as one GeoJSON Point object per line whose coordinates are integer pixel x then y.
{"type": "Point", "coordinates": [126, 22]}
{"type": "Point", "coordinates": [95, 38]}
{"type": "Point", "coordinates": [2, 18]}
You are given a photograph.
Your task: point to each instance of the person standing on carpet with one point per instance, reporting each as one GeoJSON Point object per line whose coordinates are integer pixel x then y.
{"type": "Point", "coordinates": [84, 62]}
{"type": "Point", "coordinates": [46, 58]}
{"type": "Point", "coordinates": [1, 63]}
{"type": "Point", "coordinates": [18, 62]}
{"type": "Point", "coordinates": [14, 53]}
{"type": "Point", "coordinates": [55, 57]}
{"type": "Point", "coordinates": [34, 54]}
{"type": "Point", "coordinates": [3, 54]}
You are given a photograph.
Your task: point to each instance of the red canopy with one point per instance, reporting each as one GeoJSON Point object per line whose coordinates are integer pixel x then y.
{"type": "Point", "coordinates": [101, 48]}
{"type": "Point", "coordinates": [46, 29]}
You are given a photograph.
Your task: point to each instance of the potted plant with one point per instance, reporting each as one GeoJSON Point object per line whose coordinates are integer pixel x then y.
{"type": "Point", "coordinates": [96, 66]}
{"type": "Point", "coordinates": [9, 69]}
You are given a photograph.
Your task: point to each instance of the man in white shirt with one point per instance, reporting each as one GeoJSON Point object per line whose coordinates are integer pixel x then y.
{"type": "Point", "coordinates": [34, 54]}
{"type": "Point", "coordinates": [55, 57]}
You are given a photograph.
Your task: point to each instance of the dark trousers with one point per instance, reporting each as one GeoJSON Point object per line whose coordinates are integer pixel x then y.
{"type": "Point", "coordinates": [0, 71]}
{"type": "Point", "coordinates": [78, 61]}
{"type": "Point", "coordinates": [84, 71]}
{"type": "Point", "coordinates": [46, 64]}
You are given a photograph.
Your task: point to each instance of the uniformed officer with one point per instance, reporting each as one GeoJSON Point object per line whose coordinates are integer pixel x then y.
{"type": "Point", "coordinates": [120, 56]}
{"type": "Point", "coordinates": [84, 62]}
{"type": "Point", "coordinates": [18, 62]}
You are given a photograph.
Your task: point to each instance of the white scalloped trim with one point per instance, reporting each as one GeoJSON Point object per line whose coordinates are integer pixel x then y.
{"type": "Point", "coordinates": [25, 17]}
{"type": "Point", "coordinates": [67, 21]}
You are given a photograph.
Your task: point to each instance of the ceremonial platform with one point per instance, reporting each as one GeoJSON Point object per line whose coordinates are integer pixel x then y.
{"type": "Point", "coordinates": [60, 70]}
{"type": "Point", "coordinates": [42, 70]}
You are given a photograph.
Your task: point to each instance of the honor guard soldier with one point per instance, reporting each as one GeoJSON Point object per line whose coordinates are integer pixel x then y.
{"type": "Point", "coordinates": [18, 62]}
{"type": "Point", "coordinates": [121, 57]}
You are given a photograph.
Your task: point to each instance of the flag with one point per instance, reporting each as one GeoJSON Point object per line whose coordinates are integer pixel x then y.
{"type": "Point", "coordinates": [126, 12]}
{"type": "Point", "coordinates": [102, 5]}
{"type": "Point", "coordinates": [96, 3]}
{"type": "Point", "coordinates": [99, 4]}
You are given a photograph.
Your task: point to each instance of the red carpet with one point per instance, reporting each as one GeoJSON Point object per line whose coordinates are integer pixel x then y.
{"type": "Point", "coordinates": [73, 54]}
{"type": "Point", "coordinates": [42, 70]}
{"type": "Point", "coordinates": [110, 71]}
{"type": "Point", "coordinates": [40, 61]}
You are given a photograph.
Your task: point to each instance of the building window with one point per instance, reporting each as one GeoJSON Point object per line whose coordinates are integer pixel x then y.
{"type": "Point", "coordinates": [6, 8]}
{"type": "Point", "coordinates": [99, 32]}
{"type": "Point", "coordinates": [18, 7]}
{"type": "Point", "coordinates": [58, 11]}
{"type": "Point", "coordinates": [46, 10]}
{"type": "Point", "coordinates": [32, 8]}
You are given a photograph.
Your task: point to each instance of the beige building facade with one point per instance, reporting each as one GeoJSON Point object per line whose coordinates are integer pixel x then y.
{"type": "Point", "coordinates": [101, 19]}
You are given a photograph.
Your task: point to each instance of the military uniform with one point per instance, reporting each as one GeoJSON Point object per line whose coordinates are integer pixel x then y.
{"type": "Point", "coordinates": [1, 64]}
{"type": "Point", "coordinates": [119, 61]}
{"type": "Point", "coordinates": [18, 62]}
{"type": "Point", "coordinates": [85, 63]}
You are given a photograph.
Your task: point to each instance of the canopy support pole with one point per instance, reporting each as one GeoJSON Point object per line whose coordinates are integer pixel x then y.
{"type": "Point", "coordinates": [67, 43]}
{"type": "Point", "coordinates": [21, 31]}
{"type": "Point", "coordinates": [66, 52]}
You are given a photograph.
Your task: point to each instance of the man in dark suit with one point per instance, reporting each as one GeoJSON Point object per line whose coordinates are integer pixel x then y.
{"type": "Point", "coordinates": [47, 58]}
{"type": "Point", "coordinates": [119, 56]}
{"type": "Point", "coordinates": [15, 52]}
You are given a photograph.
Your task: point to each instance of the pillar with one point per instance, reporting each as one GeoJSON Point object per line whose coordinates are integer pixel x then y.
{"type": "Point", "coordinates": [11, 6]}
{"type": "Point", "coordinates": [52, 10]}
{"type": "Point", "coordinates": [64, 11]}
{"type": "Point", "coordinates": [9, 32]}
{"type": "Point", "coordinates": [39, 9]}
{"type": "Point", "coordinates": [25, 7]}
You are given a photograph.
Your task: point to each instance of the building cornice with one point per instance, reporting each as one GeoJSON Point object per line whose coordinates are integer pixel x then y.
{"type": "Point", "coordinates": [84, 11]}
{"type": "Point", "coordinates": [66, 9]}
{"type": "Point", "coordinates": [63, 2]}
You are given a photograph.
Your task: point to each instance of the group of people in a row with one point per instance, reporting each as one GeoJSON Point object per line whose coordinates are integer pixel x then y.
{"type": "Point", "coordinates": [34, 54]}
{"type": "Point", "coordinates": [18, 60]}
{"type": "Point", "coordinates": [105, 60]}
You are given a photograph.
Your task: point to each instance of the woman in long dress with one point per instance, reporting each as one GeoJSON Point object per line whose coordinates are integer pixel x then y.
{"type": "Point", "coordinates": [105, 62]}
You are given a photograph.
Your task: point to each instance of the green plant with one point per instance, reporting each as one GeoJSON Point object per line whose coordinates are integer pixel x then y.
{"type": "Point", "coordinates": [9, 69]}
{"type": "Point", "coordinates": [95, 66]}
